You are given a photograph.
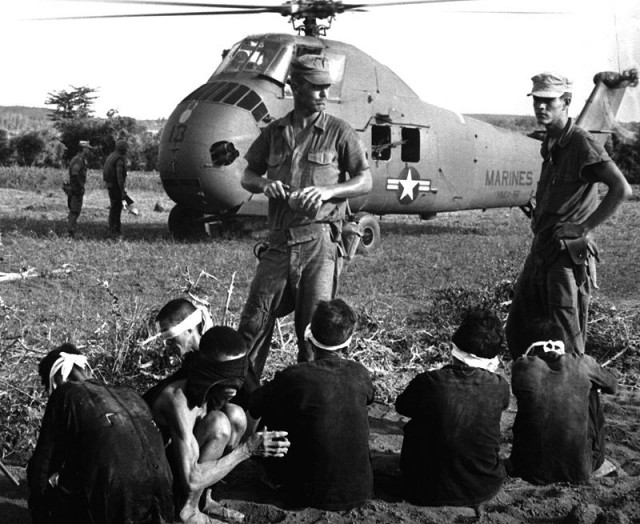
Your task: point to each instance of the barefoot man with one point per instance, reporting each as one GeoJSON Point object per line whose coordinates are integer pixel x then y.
{"type": "Point", "coordinates": [204, 432]}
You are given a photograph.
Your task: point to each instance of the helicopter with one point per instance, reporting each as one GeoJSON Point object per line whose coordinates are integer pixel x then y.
{"type": "Point", "coordinates": [424, 159]}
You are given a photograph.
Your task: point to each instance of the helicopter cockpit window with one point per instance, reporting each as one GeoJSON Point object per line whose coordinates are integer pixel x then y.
{"type": "Point", "coordinates": [260, 56]}
{"type": "Point", "coordinates": [410, 144]}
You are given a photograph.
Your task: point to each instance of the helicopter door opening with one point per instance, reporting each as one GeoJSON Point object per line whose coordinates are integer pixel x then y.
{"type": "Point", "coordinates": [410, 144]}
{"type": "Point", "coordinates": [381, 142]}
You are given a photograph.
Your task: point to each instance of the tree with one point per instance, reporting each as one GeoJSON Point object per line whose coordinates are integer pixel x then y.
{"type": "Point", "coordinates": [624, 148]}
{"type": "Point", "coordinates": [70, 105]}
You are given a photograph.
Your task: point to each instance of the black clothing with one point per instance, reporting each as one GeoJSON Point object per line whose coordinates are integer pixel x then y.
{"type": "Point", "coordinates": [451, 444]}
{"type": "Point", "coordinates": [109, 455]}
{"type": "Point", "coordinates": [323, 406]}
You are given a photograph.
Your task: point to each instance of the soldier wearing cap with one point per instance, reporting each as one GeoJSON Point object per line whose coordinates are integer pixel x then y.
{"type": "Point", "coordinates": [313, 163]}
{"type": "Point", "coordinates": [559, 273]}
{"type": "Point", "coordinates": [115, 177]}
{"type": "Point", "coordinates": [74, 188]}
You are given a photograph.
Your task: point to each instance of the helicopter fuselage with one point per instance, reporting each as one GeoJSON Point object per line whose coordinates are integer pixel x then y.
{"type": "Point", "coordinates": [424, 159]}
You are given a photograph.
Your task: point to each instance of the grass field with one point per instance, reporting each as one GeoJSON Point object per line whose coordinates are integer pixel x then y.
{"type": "Point", "coordinates": [409, 295]}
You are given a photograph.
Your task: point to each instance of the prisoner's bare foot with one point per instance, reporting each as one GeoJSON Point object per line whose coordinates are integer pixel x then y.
{"type": "Point", "coordinates": [197, 517]}
{"type": "Point", "coordinates": [214, 508]}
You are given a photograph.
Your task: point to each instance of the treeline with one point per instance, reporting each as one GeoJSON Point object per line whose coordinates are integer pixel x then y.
{"type": "Point", "coordinates": [49, 147]}
{"type": "Point", "coordinates": [50, 138]}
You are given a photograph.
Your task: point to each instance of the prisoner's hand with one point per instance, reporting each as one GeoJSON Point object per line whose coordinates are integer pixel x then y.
{"type": "Point", "coordinates": [269, 444]}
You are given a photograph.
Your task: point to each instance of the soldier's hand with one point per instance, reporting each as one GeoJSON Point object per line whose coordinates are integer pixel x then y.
{"type": "Point", "coordinates": [313, 196]}
{"type": "Point", "coordinates": [276, 189]}
{"type": "Point", "coordinates": [570, 230]}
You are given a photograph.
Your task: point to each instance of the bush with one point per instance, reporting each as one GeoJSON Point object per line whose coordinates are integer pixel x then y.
{"type": "Point", "coordinates": [29, 147]}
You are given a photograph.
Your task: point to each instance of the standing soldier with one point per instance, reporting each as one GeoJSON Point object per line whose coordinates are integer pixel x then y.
{"type": "Point", "coordinates": [115, 176]}
{"type": "Point", "coordinates": [74, 188]}
{"type": "Point", "coordinates": [560, 271]}
{"type": "Point", "coordinates": [313, 163]}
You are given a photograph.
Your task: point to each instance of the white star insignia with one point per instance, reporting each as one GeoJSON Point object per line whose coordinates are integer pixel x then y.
{"type": "Point", "coordinates": [408, 185]}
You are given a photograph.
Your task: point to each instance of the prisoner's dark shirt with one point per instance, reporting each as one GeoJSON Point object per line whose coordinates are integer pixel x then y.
{"type": "Point", "coordinates": [552, 438]}
{"type": "Point", "coordinates": [108, 452]}
{"type": "Point", "coordinates": [323, 406]}
{"type": "Point", "coordinates": [451, 444]}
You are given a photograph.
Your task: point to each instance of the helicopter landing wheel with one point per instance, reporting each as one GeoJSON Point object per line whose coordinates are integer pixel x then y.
{"type": "Point", "coordinates": [186, 224]}
{"type": "Point", "coordinates": [370, 240]}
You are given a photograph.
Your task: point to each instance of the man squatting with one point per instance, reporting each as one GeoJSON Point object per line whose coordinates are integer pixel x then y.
{"type": "Point", "coordinates": [204, 432]}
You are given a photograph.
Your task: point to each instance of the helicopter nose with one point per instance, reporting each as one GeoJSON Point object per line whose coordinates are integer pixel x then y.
{"type": "Point", "coordinates": [201, 159]}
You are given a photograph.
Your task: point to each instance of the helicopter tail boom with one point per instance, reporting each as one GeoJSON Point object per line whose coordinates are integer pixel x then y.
{"type": "Point", "coordinates": [599, 113]}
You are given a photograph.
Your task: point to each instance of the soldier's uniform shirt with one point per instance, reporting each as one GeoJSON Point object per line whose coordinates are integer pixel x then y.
{"type": "Point", "coordinates": [324, 152]}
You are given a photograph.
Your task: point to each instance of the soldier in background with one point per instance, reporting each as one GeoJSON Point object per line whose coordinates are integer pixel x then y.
{"type": "Point", "coordinates": [115, 177]}
{"type": "Point", "coordinates": [74, 187]}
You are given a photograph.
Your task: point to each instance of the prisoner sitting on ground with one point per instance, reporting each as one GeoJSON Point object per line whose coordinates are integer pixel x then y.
{"type": "Point", "coordinates": [193, 411]}
{"type": "Point", "coordinates": [99, 457]}
{"type": "Point", "coordinates": [558, 433]}
{"type": "Point", "coordinates": [182, 325]}
{"type": "Point", "coordinates": [322, 405]}
{"type": "Point", "coordinates": [451, 444]}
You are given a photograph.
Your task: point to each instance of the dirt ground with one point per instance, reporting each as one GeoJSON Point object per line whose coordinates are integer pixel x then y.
{"type": "Point", "coordinates": [612, 499]}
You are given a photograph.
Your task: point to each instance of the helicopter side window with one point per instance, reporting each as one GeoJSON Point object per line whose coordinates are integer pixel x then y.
{"type": "Point", "coordinates": [381, 142]}
{"type": "Point", "coordinates": [410, 144]}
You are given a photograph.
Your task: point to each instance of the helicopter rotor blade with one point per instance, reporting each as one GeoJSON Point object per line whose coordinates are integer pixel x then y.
{"type": "Point", "coordinates": [143, 15]}
{"type": "Point", "coordinates": [183, 4]}
{"type": "Point", "coordinates": [399, 2]}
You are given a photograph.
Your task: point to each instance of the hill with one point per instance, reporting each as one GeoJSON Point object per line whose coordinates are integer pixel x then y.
{"type": "Point", "coordinates": [19, 119]}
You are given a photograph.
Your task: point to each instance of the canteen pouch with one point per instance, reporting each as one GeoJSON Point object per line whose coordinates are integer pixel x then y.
{"type": "Point", "coordinates": [583, 253]}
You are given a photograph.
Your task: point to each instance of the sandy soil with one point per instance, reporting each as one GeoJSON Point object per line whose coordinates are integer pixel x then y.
{"type": "Point", "coordinates": [612, 499]}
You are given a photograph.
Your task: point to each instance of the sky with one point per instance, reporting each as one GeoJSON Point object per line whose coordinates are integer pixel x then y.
{"type": "Point", "coordinates": [468, 56]}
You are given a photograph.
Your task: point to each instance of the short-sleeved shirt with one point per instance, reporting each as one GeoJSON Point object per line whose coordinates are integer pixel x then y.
{"type": "Point", "coordinates": [563, 193]}
{"type": "Point", "coordinates": [78, 170]}
{"type": "Point", "coordinates": [552, 440]}
{"type": "Point", "coordinates": [326, 151]}
{"type": "Point", "coordinates": [323, 406]}
{"type": "Point", "coordinates": [451, 444]}
{"type": "Point", "coordinates": [108, 452]}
